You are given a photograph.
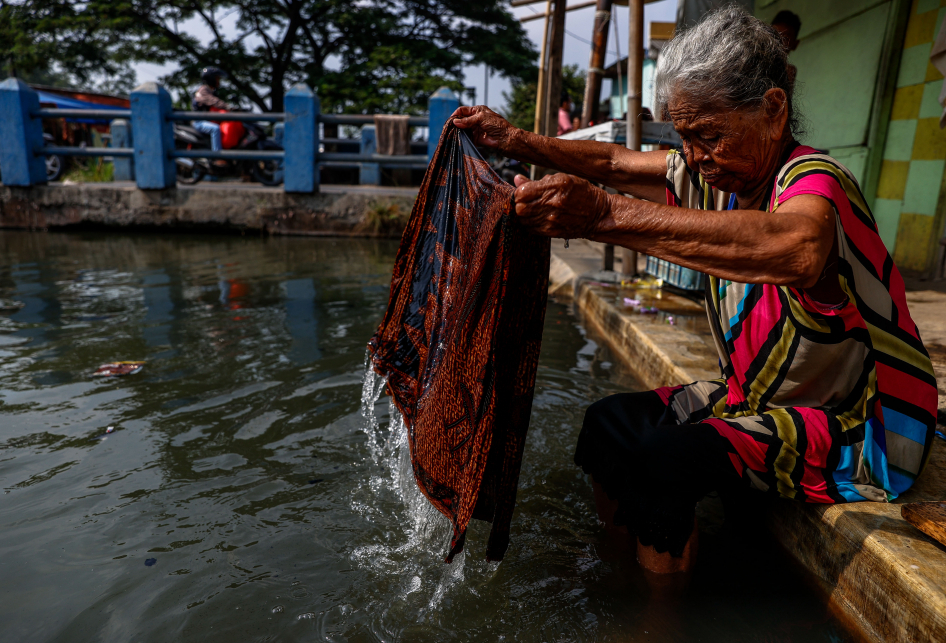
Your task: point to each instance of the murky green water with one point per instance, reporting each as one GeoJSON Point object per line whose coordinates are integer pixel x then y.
{"type": "Point", "coordinates": [243, 496]}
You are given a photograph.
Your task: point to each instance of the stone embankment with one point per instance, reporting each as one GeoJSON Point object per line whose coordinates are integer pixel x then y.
{"type": "Point", "coordinates": [885, 579]}
{"type": "Point", "coordinates": [334, 211]}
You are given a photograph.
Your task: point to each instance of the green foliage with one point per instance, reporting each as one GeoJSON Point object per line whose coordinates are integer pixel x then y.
{"type": "Point", "coordinates": [367, 56]}
{"type": "Point", "coordinates": [90, 171]}
{"type": "Point", "coordinates": [384, 218]}
{"type": "Point", "coordinates": [520, 102]}
{"type": "Point", "coordinates": [62, 43]}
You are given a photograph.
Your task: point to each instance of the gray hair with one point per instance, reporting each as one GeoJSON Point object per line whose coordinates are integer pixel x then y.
{"type": "Point", "coordinates": [728, 58]}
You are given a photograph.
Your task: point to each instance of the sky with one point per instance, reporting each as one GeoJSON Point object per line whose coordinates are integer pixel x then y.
{"type": "Point", "coordinates": [578, 29]}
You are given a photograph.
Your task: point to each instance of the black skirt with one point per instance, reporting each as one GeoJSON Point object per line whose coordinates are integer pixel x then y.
{"type": "Point", "coordinates": [656, 469]}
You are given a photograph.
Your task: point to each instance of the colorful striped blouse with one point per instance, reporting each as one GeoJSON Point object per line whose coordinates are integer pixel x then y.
{"type": "Point", "coordinates": [821, 403]}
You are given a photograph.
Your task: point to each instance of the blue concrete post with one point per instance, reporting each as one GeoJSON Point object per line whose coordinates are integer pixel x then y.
{"type": "Point", "coordinates": [120, 129]}
{"type": "Point", "coordinates": [20, 135]}
{"type": "Point", "coordinates": [154, 137]}
{"type": "Point", "coordinates": [440, 106]}
{"type": "Point", "coordinates": [301, 139]}
{"type": "Point", "coordinates": [369, 173]}
{"type": "Point", "coordinates": [279, 138]}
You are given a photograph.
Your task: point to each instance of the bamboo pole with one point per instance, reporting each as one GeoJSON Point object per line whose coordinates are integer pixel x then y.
{"type": "Point", "coordinates": [635, 90]}
{"type": "Point", "coordinates": [574, 7]}
{"type": "Point", "coordinates": [599, 46]}
{"type": "Point", "coordinates": [554, 83]}
{"type": "Point", "coordinates": [540, 90]}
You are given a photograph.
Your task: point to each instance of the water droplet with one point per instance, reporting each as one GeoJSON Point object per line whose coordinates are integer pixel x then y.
{"type": "Point", "coordinates": [279, 609]}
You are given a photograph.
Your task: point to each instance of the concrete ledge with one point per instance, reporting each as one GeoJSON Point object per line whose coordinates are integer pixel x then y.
{"type": "Point", "coordinates": [336, 210]}
{"type": "Point", "coordinates": [885, 579]}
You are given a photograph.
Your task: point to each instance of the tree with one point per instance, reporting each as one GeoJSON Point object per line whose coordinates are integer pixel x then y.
{"type": "Point", "coordinates": [367, 56]}
{"type": "Point", "coordinates": [520, 102]}
{"type": "Point", "coordinates": [58, 42]}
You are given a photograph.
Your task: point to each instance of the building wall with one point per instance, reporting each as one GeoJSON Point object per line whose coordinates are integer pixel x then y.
{"type": "Point", "coordinates": [909, 207]}
{"type": "Point", "coordinates": [839, 60]}
{"type": "Point", "coordinates": [619, 93]}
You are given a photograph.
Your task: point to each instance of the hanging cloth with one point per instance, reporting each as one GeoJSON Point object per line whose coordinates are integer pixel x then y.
{"type": "Point", "coordinates": [460, 340]}
{"type": "Point", "coordinates": [393, 134]}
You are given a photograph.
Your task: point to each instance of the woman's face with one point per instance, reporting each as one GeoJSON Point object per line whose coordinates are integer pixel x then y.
{"type": "Point", "coordinates": [731, 148]}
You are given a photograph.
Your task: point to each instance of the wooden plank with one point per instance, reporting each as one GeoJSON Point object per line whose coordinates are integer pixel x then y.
{"type": "Point", "coordinates": [928, 517]}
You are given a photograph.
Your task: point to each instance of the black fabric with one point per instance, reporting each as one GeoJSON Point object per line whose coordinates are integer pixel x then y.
{"type": "Point", "coordinates": [657, 470]}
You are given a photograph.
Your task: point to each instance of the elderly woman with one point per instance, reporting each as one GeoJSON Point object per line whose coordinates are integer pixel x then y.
{"type": "Point", "coordinates": [826, 393]}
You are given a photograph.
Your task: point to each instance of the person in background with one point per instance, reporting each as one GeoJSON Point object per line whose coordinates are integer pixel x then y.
{"type": "Point", "coordinates": [205, 98]}
{"type": "Point", "coordinates": [788, 24]}
{"type": "Point", "coordinates": [565, 115]}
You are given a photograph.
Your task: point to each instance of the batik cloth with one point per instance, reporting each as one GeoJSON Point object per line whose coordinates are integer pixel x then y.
{"type": "Point", "coordinates": [820, 403]}
{"type": "Point", "coordinates": [460, 340]}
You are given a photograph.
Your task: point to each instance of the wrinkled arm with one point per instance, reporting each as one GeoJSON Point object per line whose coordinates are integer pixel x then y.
{"type": "Point", "coordinates": [788, 247]}
{"type": "Point", "coordinates": [641, 174]}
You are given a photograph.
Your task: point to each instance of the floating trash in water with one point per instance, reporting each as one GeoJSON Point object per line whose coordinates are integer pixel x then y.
{"type": "Point", "coordinates": [631, 302]}
{"type": "Point", "coordinates": [102, 436]}
{"type": "Point", "coordinates": [150, 562]}
{"type": "Point", "coordinates": [118, 368]}
{"type": "Point", "coordinates": [279, 609]}
{"type": "Point", "coordinates": [10, 306]}
{"type": "Point", "coordinates": [306, 616]}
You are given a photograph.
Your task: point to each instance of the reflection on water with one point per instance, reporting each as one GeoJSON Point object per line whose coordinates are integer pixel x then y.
{"type": "Point", "coordinates": [255, 486]}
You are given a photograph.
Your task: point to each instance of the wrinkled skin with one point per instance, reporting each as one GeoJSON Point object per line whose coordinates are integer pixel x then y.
{"type": "Point", "coordinates": [736, 150]}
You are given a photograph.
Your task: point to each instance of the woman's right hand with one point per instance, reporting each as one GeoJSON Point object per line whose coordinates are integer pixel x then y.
{"type": "Point", "coordinates": [487, 128]}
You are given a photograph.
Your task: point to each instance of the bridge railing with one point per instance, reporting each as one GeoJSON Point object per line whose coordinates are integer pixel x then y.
{"type": "Point", "coordinates": [143, 137]}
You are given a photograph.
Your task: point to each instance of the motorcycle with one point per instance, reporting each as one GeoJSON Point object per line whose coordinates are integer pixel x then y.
{"type": "Point", "coordinates": [250, 137]}
{"type": "Point", "coordinates": [54, 162]}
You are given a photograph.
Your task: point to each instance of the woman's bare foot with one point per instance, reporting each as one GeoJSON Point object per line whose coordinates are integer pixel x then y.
{"type": "Point", "coordinates": [664, 563]}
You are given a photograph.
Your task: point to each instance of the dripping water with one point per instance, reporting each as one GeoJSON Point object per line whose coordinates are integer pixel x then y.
{"type": "Point", "coordinates": [424, 533]}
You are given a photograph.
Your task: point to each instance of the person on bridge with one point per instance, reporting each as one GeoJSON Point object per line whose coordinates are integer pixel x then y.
{"type": "Point", "coordinates": [826, 393]}
{"type": "Point", "coordinates": [205, 99]}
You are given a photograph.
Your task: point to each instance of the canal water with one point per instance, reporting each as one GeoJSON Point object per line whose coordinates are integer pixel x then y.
{"type": "Point", "coordinates": [247, 484]}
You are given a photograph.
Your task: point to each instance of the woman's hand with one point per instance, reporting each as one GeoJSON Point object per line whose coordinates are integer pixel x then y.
{"type": "Point", "coordinates": [560, 205]}
{"type": "Point", "coordinates": [487, 128]}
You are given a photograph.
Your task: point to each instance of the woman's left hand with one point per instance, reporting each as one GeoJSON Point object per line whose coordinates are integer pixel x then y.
{"type": "Point", "coordinates": [560, 205]}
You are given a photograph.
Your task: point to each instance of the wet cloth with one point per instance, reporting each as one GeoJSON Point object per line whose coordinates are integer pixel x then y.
{"type": "Point", "coordinates": [460, 340]}
{"type": "Point", "coordinates": [393, 134]}
{"type": "Point", "coordinates": [816, 403]}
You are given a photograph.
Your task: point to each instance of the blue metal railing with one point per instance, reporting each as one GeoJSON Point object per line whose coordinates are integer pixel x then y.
{"type": "Point", "coordinates": [143, 137]}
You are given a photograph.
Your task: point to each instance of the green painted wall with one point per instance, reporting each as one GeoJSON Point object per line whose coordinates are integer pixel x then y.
{"type": "Point", "coordinates": [870, 95]}
{"type": "Point", "coordinates": [910, 205]}
{"type": "Point", "coordinates": [838, 60]}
